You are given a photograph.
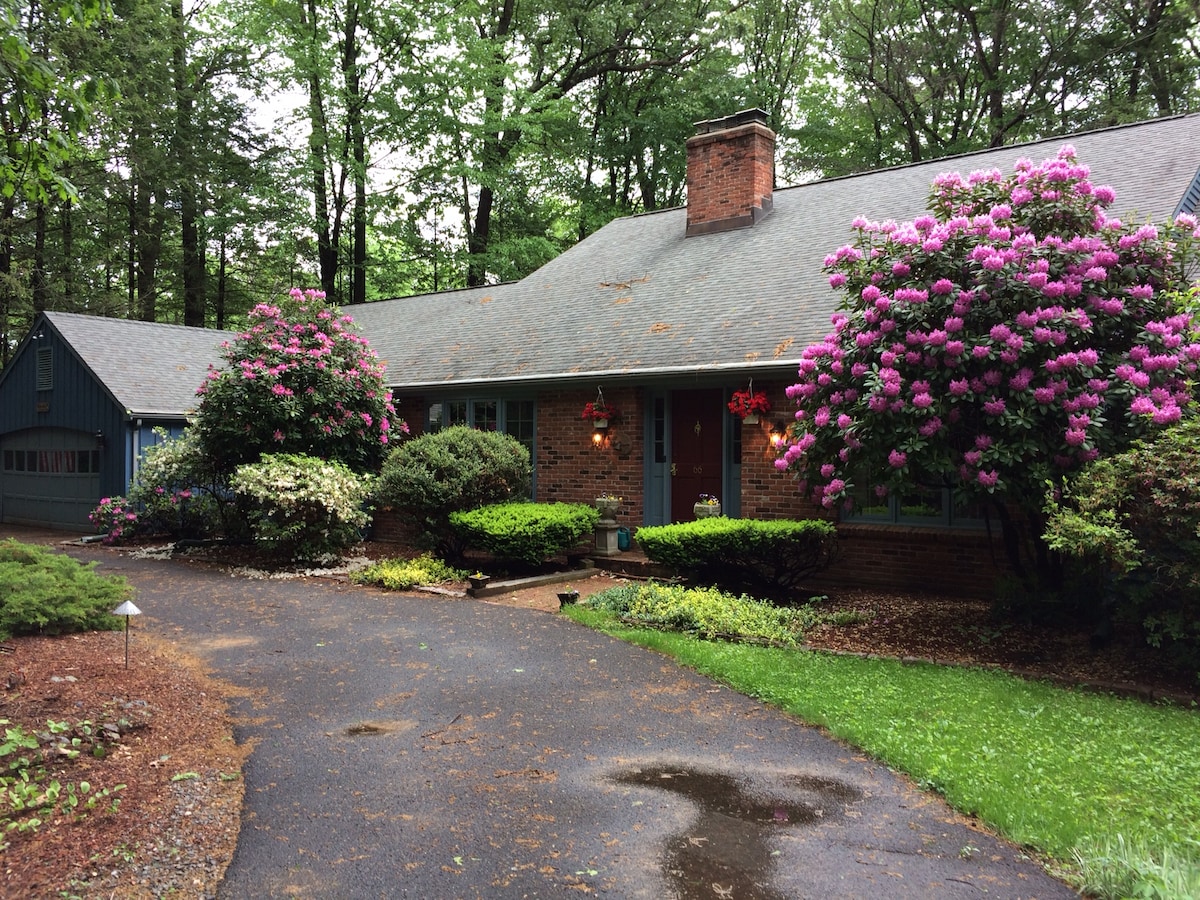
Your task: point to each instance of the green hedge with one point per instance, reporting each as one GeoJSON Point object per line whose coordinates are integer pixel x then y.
{"type": "Point", "coordinates": [525, 532]}
{"type": "Point", "coordinates": [772, 555]}
{"type": "Point", "coordinates": [456, 469]}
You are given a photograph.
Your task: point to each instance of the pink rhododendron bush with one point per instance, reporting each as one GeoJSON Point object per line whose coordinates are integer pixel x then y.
{"type": "Point", "coordinates": [298, 380]}
{"type": "Point", "coordinates": [997, 344]}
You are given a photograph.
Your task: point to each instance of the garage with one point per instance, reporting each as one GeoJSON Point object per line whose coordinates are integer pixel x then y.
{"type": "Point", "coordinates": [50, 478]}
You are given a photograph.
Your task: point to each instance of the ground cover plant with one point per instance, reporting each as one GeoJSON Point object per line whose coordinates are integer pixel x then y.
{"type": "Point", "coordinates": [712, 613]}
{"type": "Point", "coordinates": [403, 574]}
{"type": "Point", "coordinates": [524, 532]}
{"type": "Point", "coordinates": [1077, 776]}
{"type": "Point", "coordinates": [45, 593]}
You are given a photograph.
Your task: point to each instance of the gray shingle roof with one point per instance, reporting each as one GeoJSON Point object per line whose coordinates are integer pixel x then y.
{"type": "Point", "coordinates": [151, 369]}
{"type": "Point", "coordinates": [638, 298]}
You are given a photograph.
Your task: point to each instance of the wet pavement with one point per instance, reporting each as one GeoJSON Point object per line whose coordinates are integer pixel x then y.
{"type": "Point", "coordinates": [420, 746]}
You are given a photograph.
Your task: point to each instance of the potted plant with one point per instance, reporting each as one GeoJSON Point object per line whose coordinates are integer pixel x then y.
{"type": "Point", "coordinates": [478, 580]}
{"type": "Point", "coordinates": [749, 404]}
{"type": "Point", "coordinates": [707, 506]}
{"type": "Point", "coordinates": [608, 504]}
{"type": "Point", "coordinates": [567, 597]}
{"type": "Point", "coordinates": [598, 412]}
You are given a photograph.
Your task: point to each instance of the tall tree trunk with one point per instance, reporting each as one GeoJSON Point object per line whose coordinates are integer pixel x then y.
{"type": "Point", "coordinates": [185, 171]}
{"type": "Point", "coordinates": [7, 295]}
{"type": "Point", "coordinates": [219, 309]}
{"type": "Point", "coordinates": [67, 229]}
{"type": "Point", "coordinates": [318, 144]}
{"type": "Point", "coordinates": [354, 112]}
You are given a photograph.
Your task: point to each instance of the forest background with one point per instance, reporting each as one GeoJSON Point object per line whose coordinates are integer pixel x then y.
{"type": "Point", "coordinates": [182, 160]}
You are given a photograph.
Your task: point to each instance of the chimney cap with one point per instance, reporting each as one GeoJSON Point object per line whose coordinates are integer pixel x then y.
{"type": "Point", "coordinates": [752, 116]}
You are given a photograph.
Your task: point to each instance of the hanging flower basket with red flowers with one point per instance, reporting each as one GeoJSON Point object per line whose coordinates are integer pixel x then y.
{"type": "Point", "coordinates": [599, 411]}
{"type": "Point", "coordinates": [749, 404]}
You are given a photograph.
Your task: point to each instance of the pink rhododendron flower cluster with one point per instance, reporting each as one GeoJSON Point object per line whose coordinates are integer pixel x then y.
{"type": "Point", "coordinates": [298, 380]}
{"type": "Point", "coordinates": [1012, 335]}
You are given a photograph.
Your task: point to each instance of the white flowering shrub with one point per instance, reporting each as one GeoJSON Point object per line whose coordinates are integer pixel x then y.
{"type": "Point", "coordinates": [303, 507]}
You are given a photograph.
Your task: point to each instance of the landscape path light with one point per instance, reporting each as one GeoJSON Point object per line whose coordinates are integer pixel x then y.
{"type": "Point", "coordinates": [127, 609]}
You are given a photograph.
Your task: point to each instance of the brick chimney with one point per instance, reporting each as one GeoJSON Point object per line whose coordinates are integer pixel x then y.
{"type": "Point", "coordinates": [730, 172]}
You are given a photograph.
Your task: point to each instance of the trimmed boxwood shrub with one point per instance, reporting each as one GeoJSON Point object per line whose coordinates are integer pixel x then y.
{"type": "Point", "coordinates": [456, 469]}
{"type": "Point", "coordinates": [772, 555]}
{"type": "Point", "coordinates": [529, 533]}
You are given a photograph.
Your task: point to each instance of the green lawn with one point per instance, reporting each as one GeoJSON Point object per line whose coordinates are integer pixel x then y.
{"type": "Point", "coordinates": [1107, 787]}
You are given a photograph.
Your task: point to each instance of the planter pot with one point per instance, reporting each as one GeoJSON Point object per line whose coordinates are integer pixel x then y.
{"type": "Point", "coordinates": [608, 508]}
{"type": "Point", "coordinates": [751, 419]}
{"type": "Point", "coordinates": [599, 424]}
{"type": "Point", "coordinates": [565, 598]}
{"type": "Point", "coordinates": [478, 583]}
{"type": "Point", "coordinates": [706, 510]}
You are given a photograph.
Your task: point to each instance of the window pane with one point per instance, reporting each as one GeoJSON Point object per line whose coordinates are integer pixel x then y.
{"type": "Point", "coordinates": [485, 415]}
{"type": "Point", "coordinates": [456, 413]}
{"type": "Point", "coordinates": [868, 504]}
{"type": "Point", "coordinates": [519, 421]}
{"type": "Point", "coordinates": [435, 417]}
{"type": "Point", "coordinates": [920, 502]}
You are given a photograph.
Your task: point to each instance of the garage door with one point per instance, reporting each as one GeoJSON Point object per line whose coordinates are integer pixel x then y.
{"type": "Point", "coordinates": [50, 478]}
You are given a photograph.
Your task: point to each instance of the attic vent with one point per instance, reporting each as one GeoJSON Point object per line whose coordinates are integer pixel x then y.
{"type": "Point", "coordinates": [1191, 197]}
{"type": "Point", "coordinates": [45, 369]}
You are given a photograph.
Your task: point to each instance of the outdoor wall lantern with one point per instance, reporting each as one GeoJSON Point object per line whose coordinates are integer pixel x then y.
{"type": "Point", "coordinates": [778, 432]}
{"type": "Point", "coordinates": [100, 442]}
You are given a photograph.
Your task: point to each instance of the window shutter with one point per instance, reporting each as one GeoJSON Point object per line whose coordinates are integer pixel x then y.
{"type": "Point", "coordinates": [45, 369]}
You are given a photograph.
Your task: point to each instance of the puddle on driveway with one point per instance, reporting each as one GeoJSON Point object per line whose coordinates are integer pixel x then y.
{"type": "Point", "coordinates": [726, 852]}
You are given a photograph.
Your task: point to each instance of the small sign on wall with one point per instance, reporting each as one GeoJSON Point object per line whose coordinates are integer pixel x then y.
{"type": "Point", "coordinates": [43, 406]}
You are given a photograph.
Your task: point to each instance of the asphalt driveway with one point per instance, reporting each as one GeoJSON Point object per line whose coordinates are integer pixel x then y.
{"type": "Point", "coordinates": [415, 746]}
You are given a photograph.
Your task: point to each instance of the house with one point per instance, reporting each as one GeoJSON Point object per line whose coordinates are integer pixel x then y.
{"type": "Point", "coordinates": [665, 314]}
{"type": "Point", "coordinates": [79, 402]}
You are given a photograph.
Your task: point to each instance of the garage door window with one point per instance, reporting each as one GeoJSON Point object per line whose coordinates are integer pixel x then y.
{"type": "Point", "coordinates": [52, 462]}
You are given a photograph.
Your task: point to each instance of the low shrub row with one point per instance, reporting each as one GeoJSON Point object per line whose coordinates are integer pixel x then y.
{"type": "Point", "coordinates": [772, 556]}
{"type": "Point", "coordinates": [528, 533]}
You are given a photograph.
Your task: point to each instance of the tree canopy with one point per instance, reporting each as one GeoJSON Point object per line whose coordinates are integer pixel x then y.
{"type": "Point", "coordinates": [185, 162]}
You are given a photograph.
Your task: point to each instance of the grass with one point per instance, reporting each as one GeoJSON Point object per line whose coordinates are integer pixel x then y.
{"type": "Point", "coordinates": [1107, 787]}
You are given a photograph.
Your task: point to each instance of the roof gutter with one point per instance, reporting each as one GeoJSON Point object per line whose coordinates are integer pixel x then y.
{"type": "Point", "coordinates": [784, 367]}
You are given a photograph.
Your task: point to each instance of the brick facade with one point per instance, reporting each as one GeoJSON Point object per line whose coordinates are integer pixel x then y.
{"type": "Point", "coordinates": [574, 466]}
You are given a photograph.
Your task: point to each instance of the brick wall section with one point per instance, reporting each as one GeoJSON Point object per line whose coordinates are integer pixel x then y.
{"type": "Point", "coordinates": [768, 493]}
{"type": "Point", "coordinates": [947, 561]}
{"type": "Point", "coordinates": [573, 467]}
{"type": "Point", "coordinates": [412, 411]}
{"type": "Point", "coordinates": [730, 177]}
{"type": "Point", "coordinates": [952, 561]}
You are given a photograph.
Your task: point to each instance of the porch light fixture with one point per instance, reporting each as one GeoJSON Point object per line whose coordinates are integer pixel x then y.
{"type": "Point", "coordinates": [778, 431]}
{"type": "Point", "coordinates": [100, 442]}
{"type": "Point", "coordinates": [127, 609]}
